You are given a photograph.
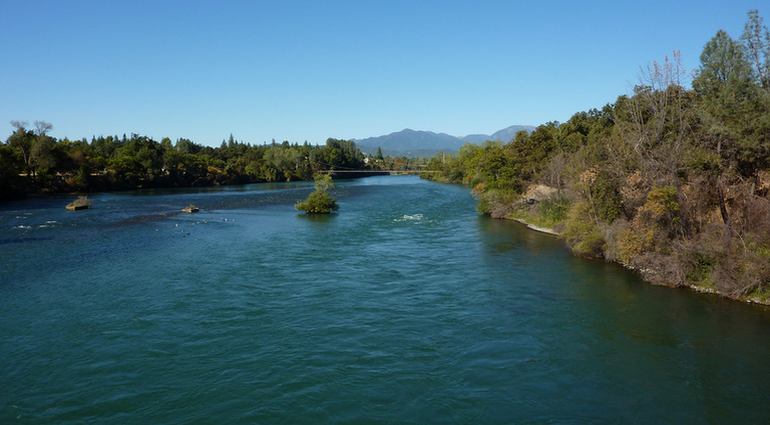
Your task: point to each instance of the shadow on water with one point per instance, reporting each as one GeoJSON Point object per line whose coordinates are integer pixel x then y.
{"type": "Point", "coordinates": [627, 333]}
{"type": "Point", "coordinates": [610, 283]}
{"type": "Point", "coordinates": [317, 219]}
{"type": "Point", "coordinates": [216, 189]}
{"type": "Point", "coordinates": [505, 235]}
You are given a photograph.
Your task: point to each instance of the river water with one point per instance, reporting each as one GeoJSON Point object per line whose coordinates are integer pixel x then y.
{"type": "Point", "coordinates": [405, 307]}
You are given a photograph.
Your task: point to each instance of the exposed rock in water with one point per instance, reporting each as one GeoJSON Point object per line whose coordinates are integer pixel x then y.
{"type": "Point", "coordinates": [79, 204]}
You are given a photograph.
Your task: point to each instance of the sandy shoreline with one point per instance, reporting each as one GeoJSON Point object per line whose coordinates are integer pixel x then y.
{"type": "Point", "coordinates": [547, 230]}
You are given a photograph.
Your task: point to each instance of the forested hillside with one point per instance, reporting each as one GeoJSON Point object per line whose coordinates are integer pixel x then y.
{"type": "Point", "coordinates": [671, 180]}
{"type": "Point", "coordinates": [33, 162]}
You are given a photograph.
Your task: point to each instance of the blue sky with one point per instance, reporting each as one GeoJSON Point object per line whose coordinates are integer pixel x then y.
{"type": "Point", "coordinates": [316, 69]}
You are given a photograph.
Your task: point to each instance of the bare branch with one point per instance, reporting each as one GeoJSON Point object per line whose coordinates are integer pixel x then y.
{"type": "Point", "coordinates": [42, 127]}
{"type": "Point", "coordinates": [18, 125]}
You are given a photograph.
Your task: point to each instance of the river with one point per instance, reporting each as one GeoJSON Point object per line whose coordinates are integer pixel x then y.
{"type": "Point", "coordinates": [405, 307]}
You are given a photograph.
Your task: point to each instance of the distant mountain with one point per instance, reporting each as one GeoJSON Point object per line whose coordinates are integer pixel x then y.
{"type": "Point", "coordinates": [476, 138]}
{"type": "Point", "coordinates": [410, 142]}
{"type": "Point", "coordinates": [507, 134]}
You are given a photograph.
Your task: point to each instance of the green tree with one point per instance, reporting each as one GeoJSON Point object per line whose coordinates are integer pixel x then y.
{"type": "Point", "coordinates": [41, 153]}
{"type": "Point", "coordinates": [319, 201]}
{"type": "Point", "coordinates": [734, 107]}
{"type": "Point", "coordinates": [756, 43]}
{"type": "Point", "coordinates": [21, 141]}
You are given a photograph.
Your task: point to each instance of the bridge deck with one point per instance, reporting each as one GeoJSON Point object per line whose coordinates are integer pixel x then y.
{"type": "Point", "coordinates": [381, 171]}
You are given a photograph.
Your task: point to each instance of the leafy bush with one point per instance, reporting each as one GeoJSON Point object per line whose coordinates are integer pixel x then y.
{"type": "Point", "coordinates": [497, 203]}
{"type": "Point", "coordinates": [582, 233]}
{"type": "Point", "coordinates": [662, 202]}
{"type": "Point", "coordinates": [701, 267]}
{"type": "Point", "coordinates": [319, 201]}
{"type": "Point", "coordinates": [553, 211]}
{"type": "Point", "coordinates": [606, 197]}
{"type": "Point", "coordinates": [633, 242]}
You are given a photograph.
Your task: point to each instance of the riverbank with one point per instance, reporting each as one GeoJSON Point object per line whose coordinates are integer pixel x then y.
{"type": "Point", "coordinates": [105, 187]}
{"type": "Point", "coordinates": [540, 229]}
{"type": "Point", "coordinates": [649, 275]}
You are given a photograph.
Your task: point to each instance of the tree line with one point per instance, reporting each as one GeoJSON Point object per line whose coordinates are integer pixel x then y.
{"type": "Point", "coordinates": [31, 161]}
{"type": "Point", "coordinates": [671, 180]}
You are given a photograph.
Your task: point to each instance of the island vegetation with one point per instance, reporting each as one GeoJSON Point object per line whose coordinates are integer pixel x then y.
{"type": "Point", "coordinates": [319, 201]}
{"type": "Point", "coordinates": [672, 180]}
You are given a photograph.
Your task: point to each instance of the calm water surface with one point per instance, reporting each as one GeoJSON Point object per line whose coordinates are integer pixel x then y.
{"type": "Point", "coordinates": [406, 307]}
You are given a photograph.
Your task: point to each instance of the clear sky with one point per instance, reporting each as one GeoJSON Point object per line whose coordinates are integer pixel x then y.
{"type": "Point", "coordinates": [316, 69]}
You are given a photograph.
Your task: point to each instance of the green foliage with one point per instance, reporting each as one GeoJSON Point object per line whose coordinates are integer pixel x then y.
{"type": "Point", "coordinates": [604, 194]}
{"type": "Point", "coordinates": [700, 270]}
{"type": "Point", "coordinates": [35, 162]}
{"type": "Point", "coordinates": [756, 44]}
{"type": "Point", "coordinates": [723, 66]}
{"type": "Point", "coordinates": [662, 202]}
{"type": "Point", "coordinates": [663, 168]}
{"type": "Point", "coordinates": [702, 161]}
{"type": "Point", "coordinates": [494, 202]}
{"type": "Point", "coordinates": [323, 182]}
{"type": "Point", "coordinates": [553, 211]}
{"type": "Point", "coordinates": [10, 167]}
{"type": "Point", "coordinates": [319, 201]}
{"type": "Point", "coordinates": [633, 242]}
{"type": "Point", "coordinates": [735, 101]}
{"type": "Point", "coordinates": [582, 233]}
{"type": "Point", "coordinates": [550, 213]}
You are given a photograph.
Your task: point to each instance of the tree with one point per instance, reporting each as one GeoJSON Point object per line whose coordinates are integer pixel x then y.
{"type": "Point", "coordinates": [732, 105]}
{"type": "Point", "coordinates": [319, 201]}
{"type": "Point", "coordinates": [41, 152]}
{"type": "Point", "coordinates": [756, 43]}
{"type": "Point", "coordinates": [10, 166]}
{"type": "Point", "coordinates": [21, 141]}
{"type": "Point", "coordinates": [42, 127]}
{"type": "Point", "coordinates": [41, 155]}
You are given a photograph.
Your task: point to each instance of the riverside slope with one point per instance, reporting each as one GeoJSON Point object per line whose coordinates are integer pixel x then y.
{"type": "Point", "coordinates": [645, 272]}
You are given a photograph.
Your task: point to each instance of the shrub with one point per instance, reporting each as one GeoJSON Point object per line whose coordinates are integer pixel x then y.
{"type": "Point", "coordinates": [606, 197]}
{"type": "Point", "coordinates": [662, 203]}
{"type": "Point", "coordinates": [633, 242]}
{"type": "Point", "coordinates": [582, 233]}
{"type": "Point", "coordinates": [496, 203]}
{"type": "Point", "coordinates": [319, 201]}
{"type": "Point", "coordinates": [553, 211]}
{"type": "Point", "coordinates": [701, 267]}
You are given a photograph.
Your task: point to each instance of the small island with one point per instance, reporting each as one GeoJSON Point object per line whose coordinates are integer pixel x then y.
{"type": "Point", "coordinates": [190, 209]}
{"type": "Point", "coordinates": [319, 201]}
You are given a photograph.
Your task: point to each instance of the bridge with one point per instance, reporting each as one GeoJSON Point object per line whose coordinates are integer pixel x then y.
{"type": "Point", "coordinates": [378, 172]}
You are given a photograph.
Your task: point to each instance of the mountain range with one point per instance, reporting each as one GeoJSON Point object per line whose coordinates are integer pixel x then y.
{"type": "Point", "coordinates": [410, 142]}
